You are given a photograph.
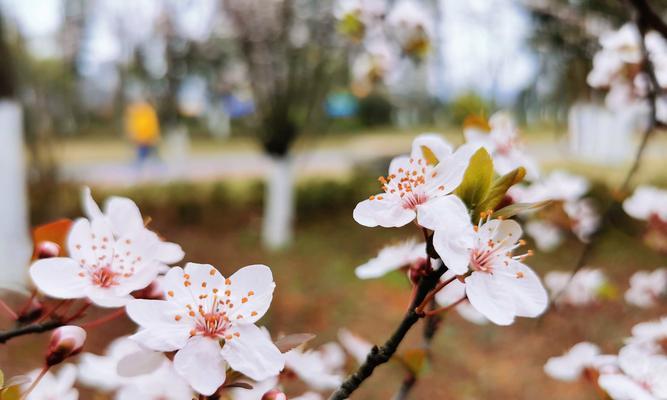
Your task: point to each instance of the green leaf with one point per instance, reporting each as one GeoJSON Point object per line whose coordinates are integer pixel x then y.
{"type": "Point", "coordinates": [11, 393]}
{"type": "Point", "coordinates": [429, 156]}
{"type": "Point", "coordinates": [477, 179]}
{"type": "Point", "coordinates": [2, 379]}
{"type": "Point", "coordinates": [498, 190]}
{"type": "Point", "coordinates": [516, 208]}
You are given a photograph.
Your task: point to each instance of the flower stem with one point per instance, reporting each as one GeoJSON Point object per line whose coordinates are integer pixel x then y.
{"type": "Point", "coordinates": [79, 312]}
{"type": "Point", "coordinates": [104, 319]}
{"type": "Point", "coordinates": [437, 311]}
{"type": "Point", "coordinates": [431, 295]}
{"type": "Point", "coordinates": [39, 377]}
{"type": "Point", "coordinates": [51, 311]}
{"type": "Point", "coordinates": [380, 355]}
{"type": "Point", "coordinates": [8, 310]}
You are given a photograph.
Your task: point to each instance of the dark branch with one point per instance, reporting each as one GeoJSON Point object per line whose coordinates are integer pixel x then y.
{"type": "Point", "coordinates": [431, 325]}
{"type": "Point", "coordinates": [29, 329]}
{"type": "Point", "coordinates": [380, 355]}
{"type": "Point", "coordinates": [648, 18]}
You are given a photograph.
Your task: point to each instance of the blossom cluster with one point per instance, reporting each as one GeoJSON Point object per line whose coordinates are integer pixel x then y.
{"type": "Point", "coordinates": [638, 371]}
{"type": "Point", "coordinates": [485, 280]}
{"type": "Point", "coordinates": [384, 36]}
{"type": "Point", "coordinates": [617, 68]}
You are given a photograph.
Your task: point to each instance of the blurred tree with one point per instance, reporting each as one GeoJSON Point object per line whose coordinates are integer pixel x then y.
{"type": "Point", "coordinates": [14, 234]}
{"type": "Point", "coordinates": [288, 49]}
{"type": "Point", "coordinates": [565, 36]}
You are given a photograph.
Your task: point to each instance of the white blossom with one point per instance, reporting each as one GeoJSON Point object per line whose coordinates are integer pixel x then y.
{"type": "Point", "coordinates": [210, 321]}
{"type": "Point", "coordinates": [646, 288]}
{"type": "Point", "coordinates": [582, 289]}
{"type": "Point", "coordinates": [415, 188]}
{"type": "Point", "coordinates": [392, 258]}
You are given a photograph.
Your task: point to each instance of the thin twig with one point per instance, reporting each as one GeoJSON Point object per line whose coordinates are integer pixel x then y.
{"type": "Point", "coordinates": [8, 310]}
{"type": "Point", "coordinates": [29, 329]}
{"type": "Point", "coordinates": [380, 355]}
{"type": "Point", "coordinates": [429, 297]}
{"type": "Point", "coordinates": [104, 319]}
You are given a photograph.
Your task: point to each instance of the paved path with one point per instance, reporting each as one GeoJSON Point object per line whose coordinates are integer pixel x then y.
{"type": "Point", "coordinates": [248, 164]}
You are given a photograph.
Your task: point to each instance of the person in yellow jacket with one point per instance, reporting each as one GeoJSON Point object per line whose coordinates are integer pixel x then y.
{"type": "Point", "coordinates": [143, 128]}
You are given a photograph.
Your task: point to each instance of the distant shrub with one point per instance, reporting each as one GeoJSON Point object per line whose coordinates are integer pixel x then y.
{"type": "Point", "coordinates": [375, 110]}
{"type": "Point", "coordinates": [467, 104]}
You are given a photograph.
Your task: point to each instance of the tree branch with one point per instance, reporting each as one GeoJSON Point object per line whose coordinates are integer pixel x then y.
{"type": "Point", "coordinates": [380, 355]}
{"type": "Point", "coordinates": [648, 17]}
{"type": "Point", "coordinates": [29, 329]}
{"type": "Point", "coordinates": [431, 325]}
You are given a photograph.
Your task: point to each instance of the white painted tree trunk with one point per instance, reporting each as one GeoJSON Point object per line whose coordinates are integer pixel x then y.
{"type": "Point", "coordinates": [279, 203]}
{"type": "Point", "coordinates": [15, 247]}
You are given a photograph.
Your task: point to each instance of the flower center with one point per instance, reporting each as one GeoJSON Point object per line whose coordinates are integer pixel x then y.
{"type": "Point", "coordinates": [409, 183]}
{"type": "Point", "coordinates": [104, 277]}
{"type": "Point", "coordinates": [212, 324]}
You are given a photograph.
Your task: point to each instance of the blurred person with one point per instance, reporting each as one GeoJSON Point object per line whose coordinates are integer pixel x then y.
{"type": "Point", "coordinates": [143, 128]}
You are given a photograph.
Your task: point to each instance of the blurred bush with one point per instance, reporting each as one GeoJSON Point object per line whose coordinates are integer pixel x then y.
{"type": "Point", "coordinates": [466, 104]}
{"type": "Point", "coordinates": [375, 110]}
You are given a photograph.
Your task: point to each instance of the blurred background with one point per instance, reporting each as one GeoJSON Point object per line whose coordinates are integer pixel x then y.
{"type": "Point", "coordinates": [249, 129]}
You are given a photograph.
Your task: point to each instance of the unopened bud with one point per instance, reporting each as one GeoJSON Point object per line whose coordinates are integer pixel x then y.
{"type": "Point", "coordinates": [418, 270]}
{"type": "Point", "coordinates": [66, 341]}
{"type": "Point", "coordinates": [47, 249]}
{"type": "Point", "coordinates": [274, 394]}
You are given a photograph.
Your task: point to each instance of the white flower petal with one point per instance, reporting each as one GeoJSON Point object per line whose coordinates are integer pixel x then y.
{"type": "Point", "coordinates": [392, 258]}
{"type": "Point", "coordinates": [59, 277]}
{"type": "Point", "coordinates": [444, 212]}
{"type": "Point", "coordinates": [470, 314]}
{"type": "Point", "coordinates": [90, 207]}
{"type": "Point", "coordinates": [433, 142]}
{"type": "Point", "coordinates": [384, 210]}
{"type": "Point", "coordinates": [453, 248]}
{"type": "Point", "coordinates": [490, 298]}
{"type": "Point", "coordinates": [400, 162]}
{"type": "Point", "coordinates": [621, 387]}
{"type": "Point", "coordinates": [203, 278]}
{"type": "Point", "coordinates": [530, 297]}
{"type": "Point", "coordinates": [252, 353]}
{"type": "Point", "coordinates": [160, 329]}
{"type": "Point", "coordinates": [139, 362]}
{"type": "Point", "coordinates": [448, 173]}
{"type": "Point", "coordinates": [124, 215]}
{"type": "Point", "coordinates": [355, 345]}
{"type": "Point", "coordinates": [201, 364]}
{"type": "Point", "coordinates": [169, 253]}
{"type": "Point", "coordinates": [106, 297]}
{"type": "Point", "coordinates": [251, 293]}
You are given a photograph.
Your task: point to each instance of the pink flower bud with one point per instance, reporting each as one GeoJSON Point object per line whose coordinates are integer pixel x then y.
{"type": "Point", "coordinates": [274, 394]}
{"type": "Point", "coordinates": [66, 341]}
{"type": "Point", "coordinates": [47, 249]}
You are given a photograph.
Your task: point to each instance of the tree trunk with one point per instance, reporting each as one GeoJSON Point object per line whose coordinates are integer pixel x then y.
{"type": "Point", "coordinates": [277, 229]}
{"type": "Point", "coordinates": [15, 248]}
